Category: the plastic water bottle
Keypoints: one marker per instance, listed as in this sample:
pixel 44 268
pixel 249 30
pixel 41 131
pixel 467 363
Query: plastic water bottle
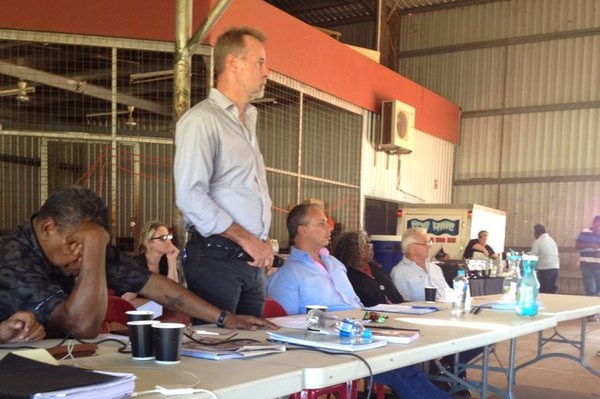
pixel 461 293
pixel 511 281
pixel 528 288
pixel 353 328
pixel 319 320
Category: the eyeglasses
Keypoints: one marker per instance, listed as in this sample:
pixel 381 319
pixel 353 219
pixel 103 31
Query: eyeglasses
pixel 429 243
pixel 163 237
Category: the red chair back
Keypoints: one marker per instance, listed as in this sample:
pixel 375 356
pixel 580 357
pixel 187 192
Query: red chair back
pixel 273 309
pixel 115 313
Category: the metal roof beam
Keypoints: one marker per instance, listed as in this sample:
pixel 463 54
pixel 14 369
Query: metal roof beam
pixel 79 86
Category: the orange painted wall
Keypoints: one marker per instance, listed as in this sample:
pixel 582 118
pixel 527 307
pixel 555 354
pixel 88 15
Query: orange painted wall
pixel 294 48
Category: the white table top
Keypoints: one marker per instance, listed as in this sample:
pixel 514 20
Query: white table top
pixel 441 334
pixel 563 307
pixel 259 378
pixel 285 373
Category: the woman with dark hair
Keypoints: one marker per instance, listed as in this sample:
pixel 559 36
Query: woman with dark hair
pixel 370 282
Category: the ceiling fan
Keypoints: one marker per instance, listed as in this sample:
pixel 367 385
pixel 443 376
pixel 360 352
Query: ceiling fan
pixel 130 122
pixel 21 92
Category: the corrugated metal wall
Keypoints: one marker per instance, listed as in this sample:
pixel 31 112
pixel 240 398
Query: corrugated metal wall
pixel 425 175
pixel 527 76
pixel 312 142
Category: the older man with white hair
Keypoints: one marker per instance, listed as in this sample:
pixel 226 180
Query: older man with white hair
pixel 416 271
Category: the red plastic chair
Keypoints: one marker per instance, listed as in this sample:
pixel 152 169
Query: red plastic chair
pixel 273 309
pixel 377 389
pixel 345 390
pixel 115 314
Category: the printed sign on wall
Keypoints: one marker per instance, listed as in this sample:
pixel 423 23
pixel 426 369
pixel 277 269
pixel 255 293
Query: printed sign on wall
pixel 436 227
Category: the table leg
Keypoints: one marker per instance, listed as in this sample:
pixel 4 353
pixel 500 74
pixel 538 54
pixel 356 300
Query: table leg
pixel 559 338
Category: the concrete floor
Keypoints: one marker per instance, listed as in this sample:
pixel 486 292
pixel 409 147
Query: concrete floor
pixel 552 378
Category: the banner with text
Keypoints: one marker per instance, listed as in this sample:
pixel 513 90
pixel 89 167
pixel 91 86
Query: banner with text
pixel 436 227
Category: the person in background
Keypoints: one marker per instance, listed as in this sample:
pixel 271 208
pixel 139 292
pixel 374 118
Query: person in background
pixel 59 266
pixel 372 285
pixel 548 263
pixel 21 327
pixel 588 244
pixel 416 271
pixel 221 183
pixel 157 253
pixel 478 247
pixel 311 276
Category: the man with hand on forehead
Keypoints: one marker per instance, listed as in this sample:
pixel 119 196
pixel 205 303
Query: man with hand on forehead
pixel 58 266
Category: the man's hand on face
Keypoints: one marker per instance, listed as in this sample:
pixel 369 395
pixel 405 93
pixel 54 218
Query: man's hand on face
pixel 75 251
pixel 86 234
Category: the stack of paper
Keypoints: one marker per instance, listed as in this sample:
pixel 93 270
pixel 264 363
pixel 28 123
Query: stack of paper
pixel 21 377
pixel 394 335
pixel 408 309
pixel 230 350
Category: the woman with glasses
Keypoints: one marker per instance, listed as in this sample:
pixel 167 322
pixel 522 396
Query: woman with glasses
pixel 370 282
pixel 157 253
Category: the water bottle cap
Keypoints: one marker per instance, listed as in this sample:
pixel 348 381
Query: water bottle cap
pixel 461 272
pixel 367 333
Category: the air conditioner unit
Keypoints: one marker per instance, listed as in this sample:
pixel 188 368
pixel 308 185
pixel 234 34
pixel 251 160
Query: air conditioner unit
pixel 397 133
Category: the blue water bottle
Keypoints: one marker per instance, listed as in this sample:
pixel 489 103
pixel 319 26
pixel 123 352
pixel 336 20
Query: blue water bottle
pixel 528 288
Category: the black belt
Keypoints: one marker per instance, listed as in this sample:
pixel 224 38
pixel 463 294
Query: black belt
pixel 217 246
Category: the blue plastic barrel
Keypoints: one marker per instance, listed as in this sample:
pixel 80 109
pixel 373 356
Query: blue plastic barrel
pixel 387 250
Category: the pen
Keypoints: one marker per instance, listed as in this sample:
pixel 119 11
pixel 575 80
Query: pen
pixel 202 332
pixel 425 307
pixel 393 328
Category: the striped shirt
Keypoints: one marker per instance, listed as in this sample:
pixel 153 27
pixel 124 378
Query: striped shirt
pixel 591 254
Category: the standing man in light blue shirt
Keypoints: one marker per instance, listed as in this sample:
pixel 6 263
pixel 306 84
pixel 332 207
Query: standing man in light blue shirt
pixel 221 182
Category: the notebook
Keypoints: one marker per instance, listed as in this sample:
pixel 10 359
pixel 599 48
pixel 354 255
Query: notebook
pixel 235 350
pixel 21 377
pixel 408 309
pixel 316 339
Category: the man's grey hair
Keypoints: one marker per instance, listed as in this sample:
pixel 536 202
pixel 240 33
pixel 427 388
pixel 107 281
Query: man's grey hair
pixel 410 237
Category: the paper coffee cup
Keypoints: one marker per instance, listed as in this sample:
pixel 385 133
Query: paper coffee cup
pixel 168 338
pixel 140 338
pixel 134 315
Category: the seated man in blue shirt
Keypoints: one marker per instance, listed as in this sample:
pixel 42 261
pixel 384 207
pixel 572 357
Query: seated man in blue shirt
pixel 58 266
pixel 311 276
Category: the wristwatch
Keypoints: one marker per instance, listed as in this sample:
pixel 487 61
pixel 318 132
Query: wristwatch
pixel 222 317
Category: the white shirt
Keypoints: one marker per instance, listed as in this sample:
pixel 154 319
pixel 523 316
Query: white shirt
pixel 410 280
pixel 219 171
pixel 547 252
